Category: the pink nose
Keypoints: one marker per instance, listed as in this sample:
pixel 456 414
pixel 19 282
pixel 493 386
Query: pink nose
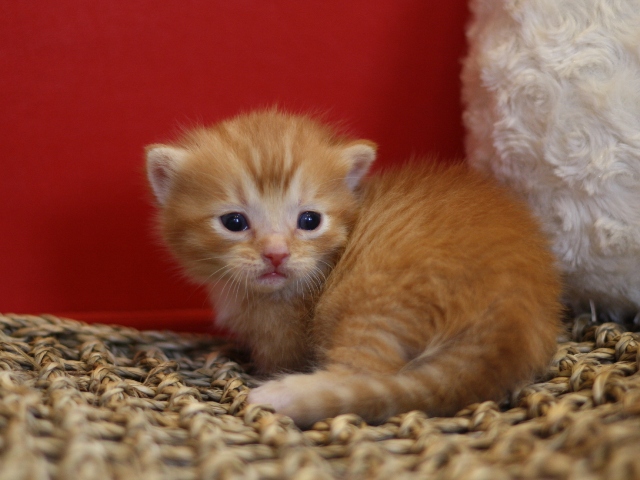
pixel 276 259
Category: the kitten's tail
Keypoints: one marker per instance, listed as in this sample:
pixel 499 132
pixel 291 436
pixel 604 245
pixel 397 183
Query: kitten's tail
pixel 453 371
pixel 438 386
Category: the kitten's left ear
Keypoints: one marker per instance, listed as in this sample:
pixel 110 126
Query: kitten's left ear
pixel 360 155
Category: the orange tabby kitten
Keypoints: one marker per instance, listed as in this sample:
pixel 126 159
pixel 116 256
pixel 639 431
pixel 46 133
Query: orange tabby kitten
pixel 424 287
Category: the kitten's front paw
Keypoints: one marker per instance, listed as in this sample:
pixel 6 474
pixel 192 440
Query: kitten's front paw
pixel 304 398
pixel 289 396
pixel 274 393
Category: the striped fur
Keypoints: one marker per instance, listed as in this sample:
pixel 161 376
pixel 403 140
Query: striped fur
pixel 425 287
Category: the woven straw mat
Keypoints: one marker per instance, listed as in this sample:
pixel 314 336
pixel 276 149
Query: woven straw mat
pixel 81 401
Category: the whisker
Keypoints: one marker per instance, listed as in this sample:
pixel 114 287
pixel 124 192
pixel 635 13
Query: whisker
pixel 239 283
pixel 320 277
pixel 329 266
pixel 228 269
pixel 235 279
pixel 311 286
pixel 316 280
pixel 229 281
pixel 246 287
pixel 205 258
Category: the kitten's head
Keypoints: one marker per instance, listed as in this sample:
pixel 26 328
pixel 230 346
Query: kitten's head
pixel 265 200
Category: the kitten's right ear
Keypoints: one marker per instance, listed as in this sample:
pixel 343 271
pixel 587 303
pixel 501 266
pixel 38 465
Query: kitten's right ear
pixel 163 162
pixel 360 155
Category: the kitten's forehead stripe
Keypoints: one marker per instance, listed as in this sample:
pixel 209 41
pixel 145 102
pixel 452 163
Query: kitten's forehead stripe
pixel 271 163
pixel 288 150
pixel 270 148
pixel 255 158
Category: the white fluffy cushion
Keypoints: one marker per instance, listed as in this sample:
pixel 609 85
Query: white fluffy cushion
pixel 552 97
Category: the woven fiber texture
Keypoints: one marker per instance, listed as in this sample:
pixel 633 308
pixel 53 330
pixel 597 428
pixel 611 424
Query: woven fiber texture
pixel 82 401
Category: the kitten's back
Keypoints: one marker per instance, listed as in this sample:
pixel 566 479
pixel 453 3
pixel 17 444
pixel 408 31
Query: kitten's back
pixel 441 237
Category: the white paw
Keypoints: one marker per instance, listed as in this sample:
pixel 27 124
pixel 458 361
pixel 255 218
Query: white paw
pixel 275 393
pixel 306 398
pixel 293 395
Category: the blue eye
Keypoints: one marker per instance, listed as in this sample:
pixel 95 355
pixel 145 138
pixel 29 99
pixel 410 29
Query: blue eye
pixel 309 220
pixel 235 222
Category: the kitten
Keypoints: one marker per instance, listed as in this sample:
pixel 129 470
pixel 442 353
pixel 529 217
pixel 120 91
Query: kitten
pixel 423 287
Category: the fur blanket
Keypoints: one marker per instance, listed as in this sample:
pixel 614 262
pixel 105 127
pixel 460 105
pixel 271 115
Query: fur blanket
pixel 552 109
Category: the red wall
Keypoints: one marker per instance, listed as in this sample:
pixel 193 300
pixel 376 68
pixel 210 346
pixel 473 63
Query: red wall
pixel 85 85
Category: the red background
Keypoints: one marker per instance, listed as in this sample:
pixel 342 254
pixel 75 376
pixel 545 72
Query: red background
pixel 85 85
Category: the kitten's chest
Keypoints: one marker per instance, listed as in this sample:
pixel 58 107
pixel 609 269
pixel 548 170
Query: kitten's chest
pixel 260 315
pixel 226 308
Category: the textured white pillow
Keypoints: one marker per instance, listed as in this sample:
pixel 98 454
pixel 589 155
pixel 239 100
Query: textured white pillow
pixel 552 109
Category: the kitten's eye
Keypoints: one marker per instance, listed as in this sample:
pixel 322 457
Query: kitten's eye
pixel 309 220
pixel 236 222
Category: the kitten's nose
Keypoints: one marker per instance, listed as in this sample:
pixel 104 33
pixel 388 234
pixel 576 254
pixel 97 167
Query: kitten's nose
pixel 276 258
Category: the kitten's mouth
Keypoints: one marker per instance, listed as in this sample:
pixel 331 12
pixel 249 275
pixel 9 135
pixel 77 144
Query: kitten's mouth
pixel 272 278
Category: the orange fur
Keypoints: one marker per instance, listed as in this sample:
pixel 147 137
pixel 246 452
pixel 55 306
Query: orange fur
pixel 425 287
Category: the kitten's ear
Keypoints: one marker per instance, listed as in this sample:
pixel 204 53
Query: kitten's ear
pixel 162 164
pixel 360 155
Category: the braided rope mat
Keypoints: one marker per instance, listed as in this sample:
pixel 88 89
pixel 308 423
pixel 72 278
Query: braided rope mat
pixel 82 401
